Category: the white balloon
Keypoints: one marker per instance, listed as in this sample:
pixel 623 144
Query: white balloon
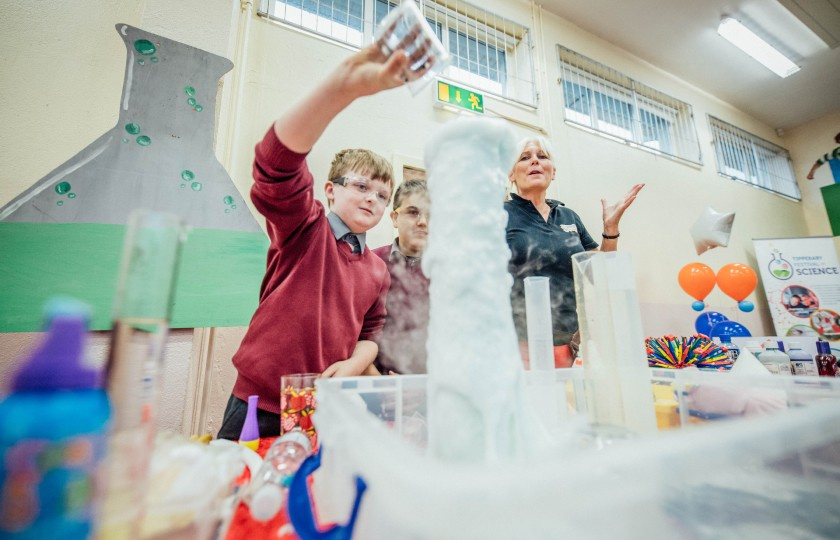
pixel 712 229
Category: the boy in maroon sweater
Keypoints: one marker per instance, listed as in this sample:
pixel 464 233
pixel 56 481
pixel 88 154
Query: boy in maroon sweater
pixel 322 301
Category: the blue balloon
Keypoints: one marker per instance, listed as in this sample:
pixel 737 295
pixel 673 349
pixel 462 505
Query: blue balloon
pixel 746 306
pixel 706 321
pixel 729 328
pixel 697 305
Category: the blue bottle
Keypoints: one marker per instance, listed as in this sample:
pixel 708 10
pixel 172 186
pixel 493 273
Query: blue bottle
pixel 53 435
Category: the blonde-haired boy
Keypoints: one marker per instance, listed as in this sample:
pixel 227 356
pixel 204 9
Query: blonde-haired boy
pixel 322 300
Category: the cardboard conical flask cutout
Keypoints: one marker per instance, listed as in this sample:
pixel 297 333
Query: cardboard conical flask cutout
pixel 159 156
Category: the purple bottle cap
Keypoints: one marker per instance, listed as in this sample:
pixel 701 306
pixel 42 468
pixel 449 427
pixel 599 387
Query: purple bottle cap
pixel 823 347
pixel 251 429
pixel 781 345
pixel 57 363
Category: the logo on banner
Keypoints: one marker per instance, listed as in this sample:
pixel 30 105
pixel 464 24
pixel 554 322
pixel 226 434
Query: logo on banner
pixel 780 268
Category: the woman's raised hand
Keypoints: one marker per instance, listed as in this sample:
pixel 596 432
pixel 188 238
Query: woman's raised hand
pixel 613 212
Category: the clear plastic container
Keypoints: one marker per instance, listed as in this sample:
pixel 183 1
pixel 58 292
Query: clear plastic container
pixel 745 454
pixel 405 28
pixel 266 492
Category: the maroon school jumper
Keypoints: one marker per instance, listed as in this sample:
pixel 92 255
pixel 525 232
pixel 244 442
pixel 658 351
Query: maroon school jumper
pixel 402 344
pixel 317 299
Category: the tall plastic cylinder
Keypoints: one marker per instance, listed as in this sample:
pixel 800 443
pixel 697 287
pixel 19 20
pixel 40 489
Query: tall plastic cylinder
pixel 612 343
pixel 142 309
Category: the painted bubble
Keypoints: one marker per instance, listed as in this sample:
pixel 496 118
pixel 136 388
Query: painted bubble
pixel 144 140
pixel 125 139
pixel 189 90
pixel 233 206
pixel 227 210
pixel 132 128
pixel 228 200
pixel 71 195
pixel 141 62
pixel 199 108
pixel 191 102
pixel 60 203
pixel 62 188
pixel 187 175
pixel 154 59
pixel 144 47
pixel 183 186
pixel 196 186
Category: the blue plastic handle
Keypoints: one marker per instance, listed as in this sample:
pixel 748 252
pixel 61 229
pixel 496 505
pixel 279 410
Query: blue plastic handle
pixel 300 508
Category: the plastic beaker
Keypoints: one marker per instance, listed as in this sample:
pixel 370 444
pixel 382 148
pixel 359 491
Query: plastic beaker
pixel 405 28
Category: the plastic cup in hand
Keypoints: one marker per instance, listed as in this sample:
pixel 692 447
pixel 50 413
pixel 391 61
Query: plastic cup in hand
pixel 297 403
pixel 405 28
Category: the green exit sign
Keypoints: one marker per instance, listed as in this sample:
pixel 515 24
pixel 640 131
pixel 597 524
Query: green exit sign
pixel 460 97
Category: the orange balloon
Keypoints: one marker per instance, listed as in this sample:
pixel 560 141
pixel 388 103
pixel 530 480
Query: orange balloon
pixel 697 279
pixel 737 280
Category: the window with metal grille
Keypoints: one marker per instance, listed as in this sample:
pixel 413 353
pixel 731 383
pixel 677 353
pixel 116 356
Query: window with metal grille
pixel 744 157
pixel 608 102
pixel 489 53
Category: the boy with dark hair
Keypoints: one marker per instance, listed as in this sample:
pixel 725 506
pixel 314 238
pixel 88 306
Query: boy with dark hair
pixel 402 345
pixel 322 300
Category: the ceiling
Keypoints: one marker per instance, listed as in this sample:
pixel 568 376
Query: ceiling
pixel 680 36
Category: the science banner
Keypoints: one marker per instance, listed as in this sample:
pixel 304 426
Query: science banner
pixel 801 277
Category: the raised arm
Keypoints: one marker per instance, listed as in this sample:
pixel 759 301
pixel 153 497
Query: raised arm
pixel 612 215
pixel 365 73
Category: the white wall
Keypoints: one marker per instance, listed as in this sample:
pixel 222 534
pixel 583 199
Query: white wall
pixel 62 80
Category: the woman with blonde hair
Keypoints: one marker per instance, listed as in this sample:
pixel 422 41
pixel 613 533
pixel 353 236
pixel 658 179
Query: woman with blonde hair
pixel 543 234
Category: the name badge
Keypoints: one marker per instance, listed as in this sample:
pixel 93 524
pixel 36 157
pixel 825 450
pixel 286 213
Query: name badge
pixel 569 228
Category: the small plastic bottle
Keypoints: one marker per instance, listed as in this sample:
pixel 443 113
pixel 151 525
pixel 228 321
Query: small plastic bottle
pixel 826 362
pixel 801 362
pixel 775 360
pixel 53 435
pixel 267 490
pixel 732 350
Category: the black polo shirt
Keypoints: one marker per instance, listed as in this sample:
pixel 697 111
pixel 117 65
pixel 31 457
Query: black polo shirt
pixel 545 248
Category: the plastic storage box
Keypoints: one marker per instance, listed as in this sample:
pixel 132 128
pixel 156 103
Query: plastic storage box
pixel 755 458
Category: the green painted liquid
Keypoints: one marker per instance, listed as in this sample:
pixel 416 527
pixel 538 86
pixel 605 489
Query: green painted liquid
pixel 132 128
pixel 60 203
pixel 144 140
pixel 141 62
pixel 189 90
pixel 228 200
pixel 144 47
pixel 191 102
pixel 62 188
pixel 154 59
pixel 199 108
pixel 187 175
pixel 196 186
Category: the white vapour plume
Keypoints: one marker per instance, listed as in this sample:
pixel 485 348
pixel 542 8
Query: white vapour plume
pixel 477 406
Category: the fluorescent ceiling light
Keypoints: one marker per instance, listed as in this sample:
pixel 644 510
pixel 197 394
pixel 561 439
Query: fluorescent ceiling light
pixel 743 38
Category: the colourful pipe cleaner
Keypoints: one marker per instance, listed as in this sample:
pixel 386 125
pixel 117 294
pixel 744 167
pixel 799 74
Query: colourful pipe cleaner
pixel 674 352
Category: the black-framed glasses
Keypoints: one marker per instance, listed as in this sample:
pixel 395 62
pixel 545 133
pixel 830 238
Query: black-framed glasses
pixel 363 185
